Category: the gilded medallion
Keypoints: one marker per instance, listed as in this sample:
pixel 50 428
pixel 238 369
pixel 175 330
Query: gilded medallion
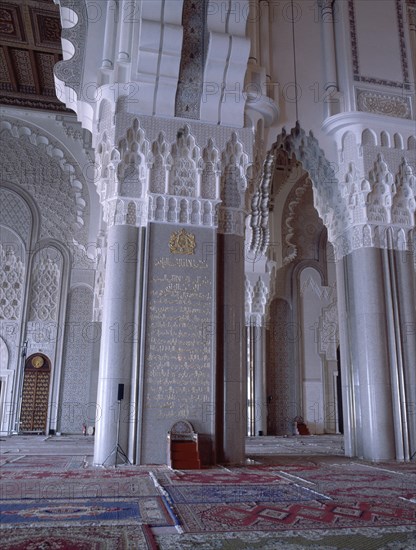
pixel 182 242
pixel 38 362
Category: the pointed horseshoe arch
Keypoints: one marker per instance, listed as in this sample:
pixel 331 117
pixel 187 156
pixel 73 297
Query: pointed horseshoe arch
pixel 305 148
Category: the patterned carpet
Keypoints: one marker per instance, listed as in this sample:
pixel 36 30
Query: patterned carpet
pixel 277 502
pixel 301 517
pixel 85 537
pixel 77 484
pixel 59 502
pixel 375 539
pixel 57 512
pixel 41 463
pixel 234 494
pixel 319 502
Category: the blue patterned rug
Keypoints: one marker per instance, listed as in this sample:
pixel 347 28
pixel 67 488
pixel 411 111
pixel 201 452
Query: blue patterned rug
pixel 150 510
pixel 82 510
pixel 209 494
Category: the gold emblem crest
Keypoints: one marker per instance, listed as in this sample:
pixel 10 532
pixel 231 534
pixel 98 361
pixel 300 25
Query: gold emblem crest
pixel 182 242
pixel 38 362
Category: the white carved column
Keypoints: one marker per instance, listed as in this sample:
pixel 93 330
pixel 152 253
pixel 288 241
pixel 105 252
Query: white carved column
pixel 109 36
pixel 116 356
pixel 256 305
pixel 122 185
pixel 371 224
pixel 231 360
pixel 260 394
pixel 256 366
pixel 126 30
pixel 326 8
pixel 265 37
pixel 253 32
pixel 365 354
pixel 327 23
pixel 404 323
pixel 376 289
pixel 378 376
pixel 161 192
pixel 231 355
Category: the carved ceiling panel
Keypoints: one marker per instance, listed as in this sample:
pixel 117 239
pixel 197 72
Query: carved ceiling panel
pixel 30 46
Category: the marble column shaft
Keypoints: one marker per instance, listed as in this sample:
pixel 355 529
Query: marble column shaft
pixel 403 329
pixel 231 351
pixel 374 354
pixel 260 394
pixel 118 330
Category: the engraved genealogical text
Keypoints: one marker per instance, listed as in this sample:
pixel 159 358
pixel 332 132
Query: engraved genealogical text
pixel 179 339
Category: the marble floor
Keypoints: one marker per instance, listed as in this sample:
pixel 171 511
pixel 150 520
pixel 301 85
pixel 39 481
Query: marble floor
pixel 78 445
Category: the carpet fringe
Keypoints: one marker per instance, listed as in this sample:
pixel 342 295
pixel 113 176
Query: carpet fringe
pixel 168 502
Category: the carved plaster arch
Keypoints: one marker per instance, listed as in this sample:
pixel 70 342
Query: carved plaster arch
pixel 369 137
pixel 294 199
pixel 158 157
pixel 56 152
pixel 4 355
pixel 305 148
pixel 33 209
pixel 320 269
pixel 66 259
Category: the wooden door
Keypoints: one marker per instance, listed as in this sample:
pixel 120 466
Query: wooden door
pixel 35 394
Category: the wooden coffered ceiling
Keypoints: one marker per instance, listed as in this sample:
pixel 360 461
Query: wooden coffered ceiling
pixel 30 42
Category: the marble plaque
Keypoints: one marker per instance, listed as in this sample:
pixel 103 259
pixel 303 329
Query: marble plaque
pixel 178 367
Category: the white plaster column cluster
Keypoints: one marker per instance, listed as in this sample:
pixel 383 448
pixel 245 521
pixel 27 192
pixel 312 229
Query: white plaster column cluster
pixel 119 321
pixel 231 355
pixel 374 252
pixel 373 236
pixel 258 87
pixel 258 280
pixel 370 219
pixel 374 207
pixel 122 178
pixel 147 78
pixel 331 91
pixel 145 176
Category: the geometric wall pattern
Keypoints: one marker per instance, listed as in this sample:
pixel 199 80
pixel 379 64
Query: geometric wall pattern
pixel 46 277
pixel 12 272
pixel 79 340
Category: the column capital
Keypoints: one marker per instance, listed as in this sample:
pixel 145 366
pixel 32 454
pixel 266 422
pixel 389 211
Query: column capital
pixel 259 287
pixel 148 169
pixel 378 212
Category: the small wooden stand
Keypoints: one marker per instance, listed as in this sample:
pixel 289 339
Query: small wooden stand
pixel 187 450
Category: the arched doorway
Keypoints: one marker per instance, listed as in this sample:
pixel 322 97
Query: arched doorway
pixel 35 394
pixel 287 236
